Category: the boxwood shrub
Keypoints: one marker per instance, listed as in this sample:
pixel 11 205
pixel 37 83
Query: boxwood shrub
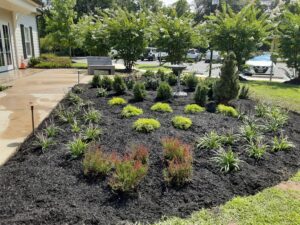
pixel 164 91
pixel 181 122
pixel 161 107
pixel 146 125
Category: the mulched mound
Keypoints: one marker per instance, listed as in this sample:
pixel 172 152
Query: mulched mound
pixel 50 188
pixel 295 81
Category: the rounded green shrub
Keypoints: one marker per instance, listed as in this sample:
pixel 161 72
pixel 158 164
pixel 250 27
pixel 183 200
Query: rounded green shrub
pixel 119 85
pixel 139 92
pixel 200 95
pixel 96 81
pixel 149 74
pixel 227 110
pixel 117 101
pixel 193 109
pixel 130 111
pixel 164 91
pixel 152 83
pixel 107 83
pixel 161 107
pixel 181 122
pixel 146 125
pixel 191 81
pixel 172 79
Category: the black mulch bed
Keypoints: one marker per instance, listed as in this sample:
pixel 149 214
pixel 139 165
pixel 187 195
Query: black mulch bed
pixel 49 188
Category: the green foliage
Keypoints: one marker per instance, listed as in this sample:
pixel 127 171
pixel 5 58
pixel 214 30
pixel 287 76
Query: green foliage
pixel 139 92
pixel 200 95
pixel 227 110
pixel 250 132
pixel 117 101
pixel 101 92
pixel 151 84
pixel 77 90
pixel 92 116
pixel 75 128
pixel 65 115
pixel 96 162
pixel 149 74
pixel 172 79
pixel 51 61
pixel 244 92
pixel 146 125
pixel 43 141
pixel 77 147
pixel 181 122
pixel 33 61
pixel 91 133
pixel 276 119
pixel 162 75
pixel 191 81
pixel 257 149
pixel 129 83
pixel 107 83
pixel 119 85
pixel 227 160
pixel 51 130
pixel 193 109
pixel 261 110
pixel 282 144
pixel 164 91
pixel 161 107
pixel 3 88
pixel 227 88
pixel 209 141
pixel 127 34
pixel 130 111
pixel 74 99
pixel 96 81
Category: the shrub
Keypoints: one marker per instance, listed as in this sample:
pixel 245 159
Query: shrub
pixel 164 91
pixel 92 116
pixel 250 132
pixel 96 162
pixel 140 153
pixel 191 81
pixel 129 83
pixel 130 111
pixel 261 110
pixel 139 92
pixel 172 79
pixel 52 61
pixel 181 122
pixel 227 110
pixel 226 160
pixel 200 95
pixel 179 161
pixel 77 147
pixel 151 84
pixel 282 144
pixel 96 81
pixel 244 92
pixel 77 90
pixel 162 75
pixel 43 141
pixel 146 125
pixel 256 149
pixel 193 109
pixel 101 92
pixel 227 88
pixel 51 130
pixel 209 141
pixel 33 61
pixel 149 74
pixel 107 83
pixel 119 85
pixel 162 107
pixel 91 133
pixel 117 101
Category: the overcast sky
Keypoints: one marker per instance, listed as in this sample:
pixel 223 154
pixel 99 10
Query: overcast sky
pixel 168 2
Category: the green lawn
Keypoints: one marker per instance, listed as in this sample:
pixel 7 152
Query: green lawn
pixel 284 95
pixel 152 67
pixel 79 65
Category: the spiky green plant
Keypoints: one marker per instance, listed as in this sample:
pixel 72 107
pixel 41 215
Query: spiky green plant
pixel 209 141
pixel 92 116
pixel 227 160
pixel 77 147
pixel 282 143
pixel 92 133
pixel 43 141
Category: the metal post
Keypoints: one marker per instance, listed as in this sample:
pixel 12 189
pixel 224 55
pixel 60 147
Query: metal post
pixel 32 118
pixel 78 78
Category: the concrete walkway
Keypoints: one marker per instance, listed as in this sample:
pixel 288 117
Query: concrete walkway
pixel 43 89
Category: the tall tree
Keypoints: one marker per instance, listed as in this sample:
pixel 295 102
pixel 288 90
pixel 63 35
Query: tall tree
pixel 243 32
pixel 182 7
pixel 290 36
pixel 151 5
pixel 89 7
pixel 60 23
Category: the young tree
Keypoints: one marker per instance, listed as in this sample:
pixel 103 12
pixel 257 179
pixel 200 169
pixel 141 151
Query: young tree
pixel 227 88
pixel 60 23
pixel 243 32
pixel 290 36
pixel 182 7
pixel 128 34
pixel 175 36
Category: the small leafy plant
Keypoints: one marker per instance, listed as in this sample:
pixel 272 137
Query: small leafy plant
pixel 117 101
pixel 107 83
pixel 101 92
pixel 139 92
pixel 130 111
pixel 172 79
pixel 162 107
pixel 256 149
pixel 226 160
pixel 75 128
pixel 229 138
pixel 210 141
pixel 191 81
pixel 262 110
pixel 91 133
pixel 51 129
pixel 96 81
pixel 281 143
pixel 250 132
pixel 181 122
pixel 140 153
pixel 119 85
pixel 244 92
pixel 65 115
pixel 193 109
pixel 77 90
pixel 146 125
pixel 227 110
pixel 92 116
pixel 164 91
pixel 201 94
pixel 276 119
pixel 43 141
pixel 77 147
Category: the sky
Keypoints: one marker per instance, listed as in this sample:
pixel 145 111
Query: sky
pixel 168 2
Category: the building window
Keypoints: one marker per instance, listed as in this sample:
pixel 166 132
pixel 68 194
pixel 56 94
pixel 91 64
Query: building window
pixel 27 41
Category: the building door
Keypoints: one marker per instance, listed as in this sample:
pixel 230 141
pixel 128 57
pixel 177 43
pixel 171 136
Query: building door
pixel 6 62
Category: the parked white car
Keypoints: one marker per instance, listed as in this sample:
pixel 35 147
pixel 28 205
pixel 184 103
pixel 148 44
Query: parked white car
pixel 261 64
pixel 216 57
pixel 193 54
pixel 152 54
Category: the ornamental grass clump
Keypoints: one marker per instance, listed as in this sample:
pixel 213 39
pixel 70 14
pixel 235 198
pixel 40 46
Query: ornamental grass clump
pixel 146 125
pixel 77 147
pixel 92 116
pixel 164 91
pixel 227 110
pixel 43 141
pixel 130 111
pixel 97 163
pixel 74 99
pixel 261 110
pixel 226 160
pixel 162 107
pixel 91 133
pixel 117 101
pixel 193 109
pixel 65 115
pixel 181 122
pixel 244 92
pixel 210 141
pixel 139 92
pixel 130 171
pixel 257 149
pixel 51 130
pixel 276 119
pixel 178 159
pixel 250 132
pixel 281 143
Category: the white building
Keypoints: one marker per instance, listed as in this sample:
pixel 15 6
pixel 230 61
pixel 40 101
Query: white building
pixel 18 33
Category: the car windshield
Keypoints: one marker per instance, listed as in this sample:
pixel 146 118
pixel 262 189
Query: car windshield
pixel 264 57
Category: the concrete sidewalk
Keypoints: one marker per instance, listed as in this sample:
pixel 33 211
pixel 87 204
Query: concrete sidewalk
pixel 43 89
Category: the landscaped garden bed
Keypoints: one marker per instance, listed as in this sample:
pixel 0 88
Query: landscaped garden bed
pixel 56 183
